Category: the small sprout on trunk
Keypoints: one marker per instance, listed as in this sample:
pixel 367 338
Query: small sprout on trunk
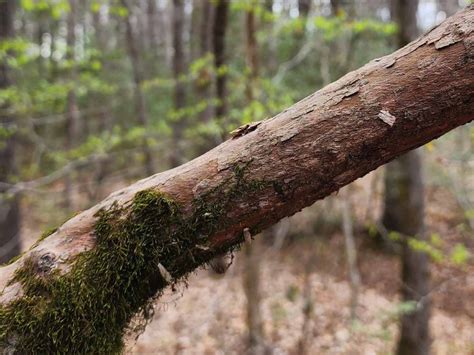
pixel 247 236
pixel 164 273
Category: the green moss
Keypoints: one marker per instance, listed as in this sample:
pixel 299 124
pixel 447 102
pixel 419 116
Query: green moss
pixel 46 234
pixel 87 310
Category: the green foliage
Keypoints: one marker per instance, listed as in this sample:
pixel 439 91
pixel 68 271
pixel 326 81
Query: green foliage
pixel 54 8
pixel 469 214
pixel 119 10
pixel 460 255
pixel 436 240
pixel 406 307
pixel 292 293
pixel 377 27
pixel 425 247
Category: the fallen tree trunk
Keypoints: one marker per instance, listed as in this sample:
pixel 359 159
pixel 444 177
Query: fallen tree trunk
pixel 77 289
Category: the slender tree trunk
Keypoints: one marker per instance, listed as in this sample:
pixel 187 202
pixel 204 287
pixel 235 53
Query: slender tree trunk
pixel 41 29
pixel 218 41
pixel 152 42
pixel 152 15
pixel 251 55
pixel 205 27
pixel 166 35
pixel 138 76
pixel 308 299
pixel 255 340
pixel 99 33
pixel 351 251
pixel 179 69
pixel 271 42
pixel 303 8
pixel 10 242
pixel 194 30
pixel 251 278
pixel 106 117
pixel 414 335
pixel 404 213
pixel 106 263
pixel 335 7
pixel 204 85
pixel 73 116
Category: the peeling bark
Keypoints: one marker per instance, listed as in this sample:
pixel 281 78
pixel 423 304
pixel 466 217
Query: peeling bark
pixel 335 139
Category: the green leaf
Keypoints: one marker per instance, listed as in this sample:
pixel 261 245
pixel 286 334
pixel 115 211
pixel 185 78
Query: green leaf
pixel 460 255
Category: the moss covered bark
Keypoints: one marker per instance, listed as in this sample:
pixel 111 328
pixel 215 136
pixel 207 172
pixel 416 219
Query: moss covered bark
pixel 140 249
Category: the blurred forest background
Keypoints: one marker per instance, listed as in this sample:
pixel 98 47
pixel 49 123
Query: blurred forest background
pixel 95 94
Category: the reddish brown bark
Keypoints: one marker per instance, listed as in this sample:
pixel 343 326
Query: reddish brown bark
pixel 325 141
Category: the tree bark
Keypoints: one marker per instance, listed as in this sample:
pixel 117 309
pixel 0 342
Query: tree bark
pixel 10 243
pixel 78 288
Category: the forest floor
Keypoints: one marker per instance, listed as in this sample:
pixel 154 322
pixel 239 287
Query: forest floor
pixel 208 317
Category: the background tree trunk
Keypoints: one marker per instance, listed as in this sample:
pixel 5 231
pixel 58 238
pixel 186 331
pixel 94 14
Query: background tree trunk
pixel 138 76
pixel 179 91
pixel 204 85
pixel 73 116
pixel 152 15
pixel 303 8
pixel 351 250
pixel 414 335
pixel 103 265
pixel 10 243
pixel 404 213
pixel 255 340
pixel 218 41
pixel 448 6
